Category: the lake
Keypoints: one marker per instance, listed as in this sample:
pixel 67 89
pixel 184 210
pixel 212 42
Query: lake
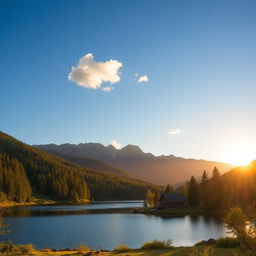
pixel 62 226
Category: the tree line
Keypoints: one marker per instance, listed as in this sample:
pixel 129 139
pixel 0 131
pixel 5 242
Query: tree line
pixel 216 192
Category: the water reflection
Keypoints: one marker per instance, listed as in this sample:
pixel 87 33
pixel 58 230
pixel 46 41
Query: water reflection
pixel 44 228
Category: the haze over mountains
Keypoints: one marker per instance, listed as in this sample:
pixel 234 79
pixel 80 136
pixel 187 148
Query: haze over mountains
pixel 131 159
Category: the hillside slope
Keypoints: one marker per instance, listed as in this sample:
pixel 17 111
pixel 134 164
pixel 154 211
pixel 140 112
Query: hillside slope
pixel 59 179
pixel 98 165
pixel 158 169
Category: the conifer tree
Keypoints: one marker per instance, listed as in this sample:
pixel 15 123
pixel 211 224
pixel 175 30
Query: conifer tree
pixel 169 189
pixel 193 196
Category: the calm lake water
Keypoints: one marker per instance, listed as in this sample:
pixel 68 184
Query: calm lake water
pixel 64 226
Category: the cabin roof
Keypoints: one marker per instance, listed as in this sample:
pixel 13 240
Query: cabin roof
pixel 173 197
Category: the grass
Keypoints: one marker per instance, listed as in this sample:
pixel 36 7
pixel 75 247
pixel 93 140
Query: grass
pixel 175 251
pixel 82 248
pixel 122 248
pixel 157 244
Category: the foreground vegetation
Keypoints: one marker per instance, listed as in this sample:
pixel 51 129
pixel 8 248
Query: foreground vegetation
pixel 174 251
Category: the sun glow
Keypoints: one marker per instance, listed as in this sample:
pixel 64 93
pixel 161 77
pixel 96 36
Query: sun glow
pixel 240 153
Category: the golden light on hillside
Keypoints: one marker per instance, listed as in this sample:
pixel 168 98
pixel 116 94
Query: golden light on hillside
pixel 240 153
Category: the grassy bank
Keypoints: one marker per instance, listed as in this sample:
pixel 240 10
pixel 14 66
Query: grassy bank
pixel 38 201
pixel 176 251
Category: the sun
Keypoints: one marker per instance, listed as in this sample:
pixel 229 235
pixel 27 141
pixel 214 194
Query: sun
pixel 240 153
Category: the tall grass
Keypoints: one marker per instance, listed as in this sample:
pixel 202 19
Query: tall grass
pixel 206 251
pixel 122 248
pixel 157 244
pixel 82 248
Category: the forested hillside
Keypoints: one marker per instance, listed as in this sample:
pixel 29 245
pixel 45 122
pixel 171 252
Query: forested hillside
pixel 98 165
pixel 51 176
pixel 216 192
pixel 157 169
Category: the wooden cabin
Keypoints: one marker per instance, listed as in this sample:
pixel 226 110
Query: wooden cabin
pixel 172 200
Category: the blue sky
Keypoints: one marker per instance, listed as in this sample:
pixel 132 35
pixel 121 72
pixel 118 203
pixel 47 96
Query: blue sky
pixel 199 56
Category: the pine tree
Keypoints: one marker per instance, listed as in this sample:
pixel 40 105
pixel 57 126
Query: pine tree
pixel 204 178
pixel 193 196
pixel 169 189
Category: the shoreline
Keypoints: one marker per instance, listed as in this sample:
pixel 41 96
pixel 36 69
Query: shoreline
pixel 164 213
pixel 39 202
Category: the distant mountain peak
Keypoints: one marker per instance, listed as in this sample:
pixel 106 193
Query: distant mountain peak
pixel 111 147
pixel 132 149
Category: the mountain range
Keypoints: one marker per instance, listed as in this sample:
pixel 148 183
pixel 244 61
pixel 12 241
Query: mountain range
pixel 26 171
pixel 132 161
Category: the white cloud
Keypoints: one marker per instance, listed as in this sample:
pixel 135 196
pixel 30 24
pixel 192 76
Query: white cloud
pixel 142 79
pixel 107 89
pixel 115 144
pixel 91 74
pixel 175 131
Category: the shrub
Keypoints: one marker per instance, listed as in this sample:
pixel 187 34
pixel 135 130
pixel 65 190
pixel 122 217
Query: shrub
pixel 8 248
pixel 243 228
pixel 206 251
pixel 122 248
pixel 157 244
pixel 82 248
pixel 26 248
pixel 227 242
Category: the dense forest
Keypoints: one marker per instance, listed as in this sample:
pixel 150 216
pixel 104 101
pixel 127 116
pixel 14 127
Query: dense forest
pixel 27 171
pixel 216 192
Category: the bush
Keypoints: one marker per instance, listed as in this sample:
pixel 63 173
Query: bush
pixel 157 244
pixel 26 248
pixel 227 242
pixel 8 248
pixel 122 248
pixel 82 248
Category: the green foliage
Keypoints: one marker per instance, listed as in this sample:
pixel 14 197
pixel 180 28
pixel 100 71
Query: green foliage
pixel 26 248
pixel 157 244
pixel 152 198
pixel 227 242
pixel 9 248
pixel 242 228
pixel 14 183
pixel 193 196
pixel 122 248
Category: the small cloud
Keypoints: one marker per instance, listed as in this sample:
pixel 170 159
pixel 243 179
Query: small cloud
pixel 107 89
pixel 142 79
pixel 91 74
pixel 174 131
pixel 115 144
